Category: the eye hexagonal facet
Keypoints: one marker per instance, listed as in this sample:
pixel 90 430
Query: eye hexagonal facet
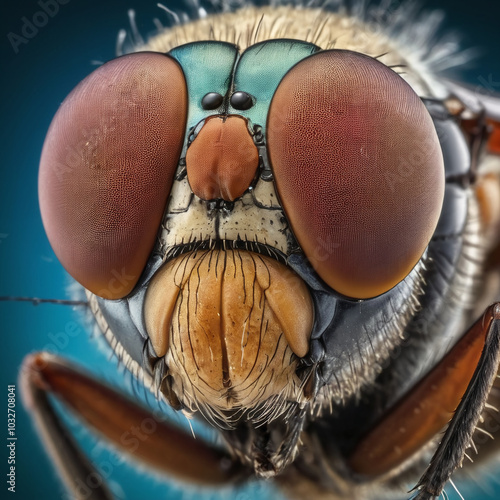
pixel 107 166
pixel 358 168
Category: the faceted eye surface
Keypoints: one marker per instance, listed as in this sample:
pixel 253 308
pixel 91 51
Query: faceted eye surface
pixel 107 167
pixel 358 168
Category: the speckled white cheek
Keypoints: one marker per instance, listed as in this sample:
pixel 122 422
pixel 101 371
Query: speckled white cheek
pixel 265 194
pixel 186 219
pixel 256 217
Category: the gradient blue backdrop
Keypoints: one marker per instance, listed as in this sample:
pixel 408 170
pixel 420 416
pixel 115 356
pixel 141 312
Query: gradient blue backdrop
pixel 34 81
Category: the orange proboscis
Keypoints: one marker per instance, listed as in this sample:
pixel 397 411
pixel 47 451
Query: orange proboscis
pixel 229 317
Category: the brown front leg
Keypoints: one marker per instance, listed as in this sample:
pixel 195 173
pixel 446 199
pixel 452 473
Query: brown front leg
pixel 455 391
pixel 116 418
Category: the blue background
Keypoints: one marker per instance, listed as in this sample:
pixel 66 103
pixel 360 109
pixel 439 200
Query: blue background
pixel 34 82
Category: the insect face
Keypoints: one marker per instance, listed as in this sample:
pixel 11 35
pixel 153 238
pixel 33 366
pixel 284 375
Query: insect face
pixel 260 228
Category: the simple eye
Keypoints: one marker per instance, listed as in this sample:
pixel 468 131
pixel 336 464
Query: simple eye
pixel 358 168
pixel 107 166
pixel 241 100
pixel 212 100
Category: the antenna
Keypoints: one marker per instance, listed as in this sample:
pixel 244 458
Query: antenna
pixel 35 301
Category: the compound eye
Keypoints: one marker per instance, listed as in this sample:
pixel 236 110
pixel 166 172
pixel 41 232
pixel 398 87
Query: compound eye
pixel 241 100
pixel 358 168
pixel 107 166
pixel 212 100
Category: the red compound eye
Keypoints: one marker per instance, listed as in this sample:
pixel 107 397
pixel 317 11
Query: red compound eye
pixel 107 167
pixel 358 168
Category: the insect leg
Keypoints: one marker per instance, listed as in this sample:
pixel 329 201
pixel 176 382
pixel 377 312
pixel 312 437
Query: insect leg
pixel 74 468
pixel 115 417
pixel 457 389
pixel 458 435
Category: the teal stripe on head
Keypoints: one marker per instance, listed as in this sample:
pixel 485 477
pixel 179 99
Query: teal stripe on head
pixel 260 70
pixel 208 67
